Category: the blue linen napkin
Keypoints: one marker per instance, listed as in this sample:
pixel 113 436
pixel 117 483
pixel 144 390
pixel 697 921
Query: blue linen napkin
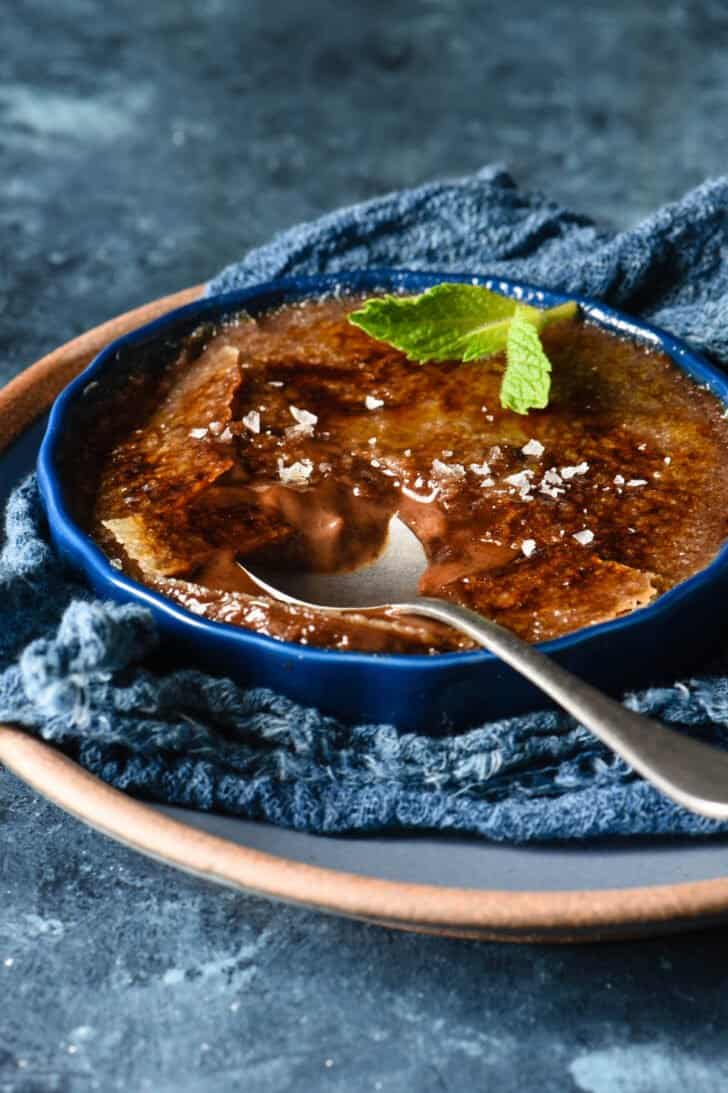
pixel 81 673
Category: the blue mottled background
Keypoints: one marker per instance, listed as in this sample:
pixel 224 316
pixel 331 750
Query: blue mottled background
pixel 142 147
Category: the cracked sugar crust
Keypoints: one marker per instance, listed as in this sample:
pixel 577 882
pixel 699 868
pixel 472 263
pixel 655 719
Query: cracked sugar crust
pixel 295 436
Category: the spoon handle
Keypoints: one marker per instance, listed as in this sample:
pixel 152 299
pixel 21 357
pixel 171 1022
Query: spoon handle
pixel 690 772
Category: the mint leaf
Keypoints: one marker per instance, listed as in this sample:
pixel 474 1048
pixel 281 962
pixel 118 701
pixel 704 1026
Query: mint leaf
pixel 447 322
pixel 467 323
pixel 527 378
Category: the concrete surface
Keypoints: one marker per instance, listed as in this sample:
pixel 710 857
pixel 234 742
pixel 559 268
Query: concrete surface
pixel 143 146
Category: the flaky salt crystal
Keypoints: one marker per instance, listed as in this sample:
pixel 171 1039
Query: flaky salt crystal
pixel 522 479
pixel 570 472
pixel 297 474
pixel 534 447
pixel 584 537
pixel 448 470
pixel 303 417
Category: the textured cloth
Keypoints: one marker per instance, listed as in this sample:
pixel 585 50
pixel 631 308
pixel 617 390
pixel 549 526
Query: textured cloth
pixel 83 674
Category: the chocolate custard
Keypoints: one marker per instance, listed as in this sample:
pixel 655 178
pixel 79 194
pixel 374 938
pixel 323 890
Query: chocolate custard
pixel 295 437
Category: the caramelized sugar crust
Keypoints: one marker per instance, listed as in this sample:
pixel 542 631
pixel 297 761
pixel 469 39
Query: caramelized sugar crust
pixel 297 436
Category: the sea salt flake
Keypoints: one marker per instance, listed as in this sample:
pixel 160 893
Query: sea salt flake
pixel 552 477
pixel 297 474
pixel 480 468
pixel 584 537
pixel 571 472
pixel 226 435
pixel 198 434
pixel 215 427
pixel 252 421
pixel 408 452
pixel 448 470
pixel 522 479
pixel 303 417
pixel 619 480
pixel 528 546
pixel 533 447
pixel 373 403
pixel 637 482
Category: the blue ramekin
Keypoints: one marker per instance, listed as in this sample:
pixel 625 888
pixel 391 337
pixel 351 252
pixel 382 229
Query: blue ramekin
pixel 433 694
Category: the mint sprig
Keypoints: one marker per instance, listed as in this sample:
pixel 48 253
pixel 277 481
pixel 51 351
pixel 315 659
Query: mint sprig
pixel 526 382
pixel 469 322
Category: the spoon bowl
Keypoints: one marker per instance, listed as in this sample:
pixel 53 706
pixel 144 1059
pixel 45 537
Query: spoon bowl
pixel 392 578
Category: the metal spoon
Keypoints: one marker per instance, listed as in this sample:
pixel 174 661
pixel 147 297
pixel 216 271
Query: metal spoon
pixel 692 773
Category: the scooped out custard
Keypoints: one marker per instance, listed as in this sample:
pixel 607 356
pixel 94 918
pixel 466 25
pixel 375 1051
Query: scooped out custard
pixel 294 437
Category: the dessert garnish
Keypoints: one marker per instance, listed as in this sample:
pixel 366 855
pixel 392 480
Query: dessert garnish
pixel 453 321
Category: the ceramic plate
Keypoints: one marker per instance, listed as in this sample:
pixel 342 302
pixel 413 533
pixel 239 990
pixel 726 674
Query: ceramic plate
pixel 449 885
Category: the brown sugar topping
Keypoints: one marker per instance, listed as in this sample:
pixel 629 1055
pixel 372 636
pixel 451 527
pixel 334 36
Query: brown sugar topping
pixel 296 436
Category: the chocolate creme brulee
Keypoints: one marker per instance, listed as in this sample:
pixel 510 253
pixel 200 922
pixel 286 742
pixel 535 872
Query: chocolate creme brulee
pixel 295 436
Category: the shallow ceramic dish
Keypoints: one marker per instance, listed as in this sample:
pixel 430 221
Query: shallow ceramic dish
pixel 422 693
